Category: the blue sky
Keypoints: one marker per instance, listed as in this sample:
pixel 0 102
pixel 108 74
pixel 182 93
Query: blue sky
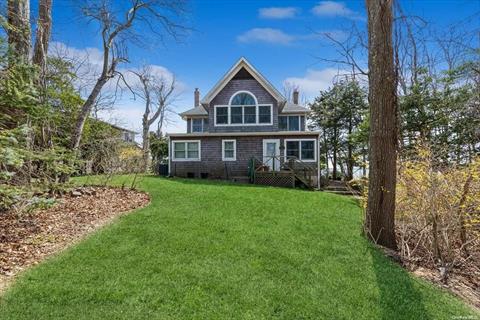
pixel 280 38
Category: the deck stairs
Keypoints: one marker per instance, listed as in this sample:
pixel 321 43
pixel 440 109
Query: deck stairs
pixel 340 187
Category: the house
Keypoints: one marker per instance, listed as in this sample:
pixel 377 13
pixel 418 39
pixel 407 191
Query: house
pixel 116 132
pixel 124 134
pixel 104 148
pixel 244 128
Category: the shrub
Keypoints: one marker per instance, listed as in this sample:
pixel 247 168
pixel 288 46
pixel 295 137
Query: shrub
pixel 438 213
pixel 359 185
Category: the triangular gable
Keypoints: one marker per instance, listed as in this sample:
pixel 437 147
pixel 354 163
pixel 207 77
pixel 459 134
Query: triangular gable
pixel 237 69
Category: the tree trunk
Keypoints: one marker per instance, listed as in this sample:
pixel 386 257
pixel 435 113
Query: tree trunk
pixel 19 29
pixel 364 168
pixel 42 38
pixel 146 142
pixel 85 112
pixel 325 143
pixel 350 160
pixel 334 164
pixel 380 212
pixel 461 213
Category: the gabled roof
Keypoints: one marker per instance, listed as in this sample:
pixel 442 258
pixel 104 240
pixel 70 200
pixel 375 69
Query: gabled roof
pixel 114 126
pixel 293 108
pixel 242 63
pixel 197 111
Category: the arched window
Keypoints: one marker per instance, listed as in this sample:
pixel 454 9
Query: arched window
pixel 243 99
pixel 243 109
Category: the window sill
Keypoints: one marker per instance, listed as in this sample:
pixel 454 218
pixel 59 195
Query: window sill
pixel 185 160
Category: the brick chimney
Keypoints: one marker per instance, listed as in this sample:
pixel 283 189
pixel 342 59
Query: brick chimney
pixel 295 96
pixel 196 95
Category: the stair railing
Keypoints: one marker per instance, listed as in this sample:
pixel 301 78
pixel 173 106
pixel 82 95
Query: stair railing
pixel 302 170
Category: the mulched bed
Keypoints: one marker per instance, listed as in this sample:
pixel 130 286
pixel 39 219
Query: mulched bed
pixel 28 238
pixel 462 281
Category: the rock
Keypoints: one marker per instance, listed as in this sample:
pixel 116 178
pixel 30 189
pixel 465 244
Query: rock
pixel 76 193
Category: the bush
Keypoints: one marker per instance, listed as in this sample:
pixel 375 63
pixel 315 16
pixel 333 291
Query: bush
pixel 359 185
pixel 438 213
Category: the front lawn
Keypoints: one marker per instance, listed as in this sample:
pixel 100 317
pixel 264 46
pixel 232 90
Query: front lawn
pixel 209 250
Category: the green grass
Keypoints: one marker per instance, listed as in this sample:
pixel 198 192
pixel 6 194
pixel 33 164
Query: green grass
pixel 209 250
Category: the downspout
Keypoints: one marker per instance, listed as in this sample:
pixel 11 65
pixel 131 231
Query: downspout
pixel 169 157
pixel 318 162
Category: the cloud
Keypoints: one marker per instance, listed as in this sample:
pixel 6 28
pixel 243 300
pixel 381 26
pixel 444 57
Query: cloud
pixel 314 81
pixel 126 111
pixel 278 12
pixel 279 37
pixel 335 9
pixel 268 35
pixel 88 64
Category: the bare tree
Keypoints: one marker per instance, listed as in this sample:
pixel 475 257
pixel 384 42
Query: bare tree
pixel 118 31
pixel 380 213
pixel 19 29
pixel 42 37
pixel 158 93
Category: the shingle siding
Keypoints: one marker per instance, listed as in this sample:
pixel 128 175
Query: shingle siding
pixel 211 156
pixel 247 146
pixel 223 98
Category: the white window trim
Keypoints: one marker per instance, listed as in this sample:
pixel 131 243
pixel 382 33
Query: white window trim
pixel 215 115
pixel 288 123
pixel 229 124
pixel 271 114
pixel 257 115
pixel 300 149
pixel 186 152
pixel 242 91
pixel 234 150
pixel 191 124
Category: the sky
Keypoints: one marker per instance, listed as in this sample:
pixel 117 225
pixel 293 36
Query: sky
pixel 282 39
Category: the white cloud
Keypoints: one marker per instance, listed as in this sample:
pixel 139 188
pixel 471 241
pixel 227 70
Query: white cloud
pixel 127 111
pixel 268 35
pixel 278 12
pixel 335 9
pixel 279 37
pixel 314 81
pixel 88 63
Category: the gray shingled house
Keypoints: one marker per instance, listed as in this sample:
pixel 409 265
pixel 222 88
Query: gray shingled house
pixel 242 129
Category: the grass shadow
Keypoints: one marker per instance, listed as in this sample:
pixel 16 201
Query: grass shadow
pixel 220 183
pixel 400 294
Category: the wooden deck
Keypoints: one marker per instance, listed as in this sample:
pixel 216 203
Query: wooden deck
pixel 290 175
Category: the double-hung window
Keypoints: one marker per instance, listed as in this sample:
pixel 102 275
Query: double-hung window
pixel 264 114
pixel 186 150
pixel 229 150
pixel 197 125
pixel 289 123
pixel 221 115
pixel 303 149
pixel 249 114
pixel 236 115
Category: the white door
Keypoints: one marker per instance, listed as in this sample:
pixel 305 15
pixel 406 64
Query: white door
pixel 271 149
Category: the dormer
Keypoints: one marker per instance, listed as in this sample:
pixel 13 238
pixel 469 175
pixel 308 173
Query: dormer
pixel 197 117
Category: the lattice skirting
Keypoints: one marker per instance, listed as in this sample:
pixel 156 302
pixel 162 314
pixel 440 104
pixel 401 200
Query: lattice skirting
pixel 275 179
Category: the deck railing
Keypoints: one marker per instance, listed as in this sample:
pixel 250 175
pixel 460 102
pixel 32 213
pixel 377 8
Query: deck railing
pixel 280 164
